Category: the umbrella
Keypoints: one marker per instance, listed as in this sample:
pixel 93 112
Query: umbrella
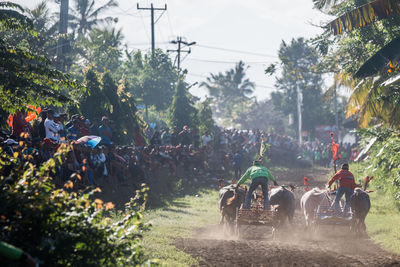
pixel 91 140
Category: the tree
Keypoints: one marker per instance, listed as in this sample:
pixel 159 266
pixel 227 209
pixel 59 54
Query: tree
pixel 151 78
pixel 26 77
pixel 205 117
pixel 93 102
pixel 182 112
pixel 85 16
pixel 102 48
pixel 374 98
pixel 228 90
pixel 260 115
pixel 299 62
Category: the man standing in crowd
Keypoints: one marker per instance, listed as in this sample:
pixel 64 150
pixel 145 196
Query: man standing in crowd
pixel 184 136
pixel 166 137
pixel 51 127
pixel 105 132
pixel 206 138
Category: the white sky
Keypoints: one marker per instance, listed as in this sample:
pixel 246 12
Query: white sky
pixel 256 26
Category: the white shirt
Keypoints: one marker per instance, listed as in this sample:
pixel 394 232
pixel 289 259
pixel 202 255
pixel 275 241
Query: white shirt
pixel 206 139
pixel 51 129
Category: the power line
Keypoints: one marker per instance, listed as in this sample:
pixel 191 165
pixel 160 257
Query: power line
pixel 227 62
pixel 170 24
pixel 236 51
pixel 256 85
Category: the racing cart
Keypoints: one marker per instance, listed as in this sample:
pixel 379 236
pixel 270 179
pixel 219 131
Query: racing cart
pixel 255 216
pixel 325 215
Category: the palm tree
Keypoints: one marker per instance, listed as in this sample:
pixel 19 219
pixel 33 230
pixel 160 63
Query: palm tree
pixel 44 24
pixel 230 85
pixel 228 90
pixel 102 47
pixel 85 16
pixel 375 89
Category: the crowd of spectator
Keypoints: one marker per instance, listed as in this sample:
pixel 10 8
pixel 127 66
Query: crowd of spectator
pixel 152 150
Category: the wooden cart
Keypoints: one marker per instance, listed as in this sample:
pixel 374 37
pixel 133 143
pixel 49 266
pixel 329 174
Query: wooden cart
pixel 256 215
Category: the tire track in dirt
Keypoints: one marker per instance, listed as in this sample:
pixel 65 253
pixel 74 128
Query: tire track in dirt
pixel 294 245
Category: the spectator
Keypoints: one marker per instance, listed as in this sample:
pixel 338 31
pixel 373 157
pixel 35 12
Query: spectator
pixel 237 164
pixel 174 137
pixel 155 140
pixel 105 132
pixel 206 138
pixel 51 127
pixel 138 138
pixel 166 137
pixel 185 136
pixel 19 124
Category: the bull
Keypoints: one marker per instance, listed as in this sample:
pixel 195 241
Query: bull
pixel 360 205
pixel 284 203
pixel 231 199
pixel 310 201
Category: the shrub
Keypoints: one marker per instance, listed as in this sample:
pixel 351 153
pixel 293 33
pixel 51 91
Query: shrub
pixel 62 227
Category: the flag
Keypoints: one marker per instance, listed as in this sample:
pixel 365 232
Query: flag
pixel 335 148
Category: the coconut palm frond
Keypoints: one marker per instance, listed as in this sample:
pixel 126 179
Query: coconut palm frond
pixel 380 60
pixel 364 15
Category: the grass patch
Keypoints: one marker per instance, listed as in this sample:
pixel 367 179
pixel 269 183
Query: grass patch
pixel 178 219
pixel 383 220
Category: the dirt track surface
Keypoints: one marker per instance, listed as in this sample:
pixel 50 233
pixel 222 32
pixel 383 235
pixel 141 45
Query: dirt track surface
pixel 293 246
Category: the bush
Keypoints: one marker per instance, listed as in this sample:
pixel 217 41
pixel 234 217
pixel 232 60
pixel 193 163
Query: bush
pixel 62 227
pixel 384 160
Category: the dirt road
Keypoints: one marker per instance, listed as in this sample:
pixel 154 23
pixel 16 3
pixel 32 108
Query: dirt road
pixel 294 246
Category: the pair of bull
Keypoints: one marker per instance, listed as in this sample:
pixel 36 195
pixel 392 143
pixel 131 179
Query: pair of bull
pixel 232 198
pixel 359 203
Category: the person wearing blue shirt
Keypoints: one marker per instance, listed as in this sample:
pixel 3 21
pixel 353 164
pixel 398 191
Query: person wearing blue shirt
pixel 105 132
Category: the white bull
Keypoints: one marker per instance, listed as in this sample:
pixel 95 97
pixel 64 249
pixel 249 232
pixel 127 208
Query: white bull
pixel 309 203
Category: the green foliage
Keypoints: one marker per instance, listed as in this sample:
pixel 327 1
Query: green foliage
pixel 229 91
pixel 155 80
pixel 260 115
pixel 299 69
pixel 61 227
pixel 204 117
pixel 85 16
pixel 27 78
pixel 348 52
pixel 92 103
pixel 182 112
pixel 102 48
pixel 384 160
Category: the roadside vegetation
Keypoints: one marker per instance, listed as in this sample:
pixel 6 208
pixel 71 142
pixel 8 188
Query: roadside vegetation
pixel 383 220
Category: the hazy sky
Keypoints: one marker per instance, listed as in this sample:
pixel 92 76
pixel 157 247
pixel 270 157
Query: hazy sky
pixel 254 26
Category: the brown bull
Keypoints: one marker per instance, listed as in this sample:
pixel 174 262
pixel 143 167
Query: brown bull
pixel 230 199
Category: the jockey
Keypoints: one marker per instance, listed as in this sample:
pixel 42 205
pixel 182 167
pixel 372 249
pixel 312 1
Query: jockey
pixel 346 187
pixel 259 176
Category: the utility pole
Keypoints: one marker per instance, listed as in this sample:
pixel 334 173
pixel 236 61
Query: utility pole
pixel 152 8
pixel 336 115
pixel 179 42
pixel 63 29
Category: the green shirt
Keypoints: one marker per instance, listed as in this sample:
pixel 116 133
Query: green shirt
pixel 254 172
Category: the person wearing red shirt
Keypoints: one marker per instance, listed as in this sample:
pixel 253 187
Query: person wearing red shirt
pixel 346 187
